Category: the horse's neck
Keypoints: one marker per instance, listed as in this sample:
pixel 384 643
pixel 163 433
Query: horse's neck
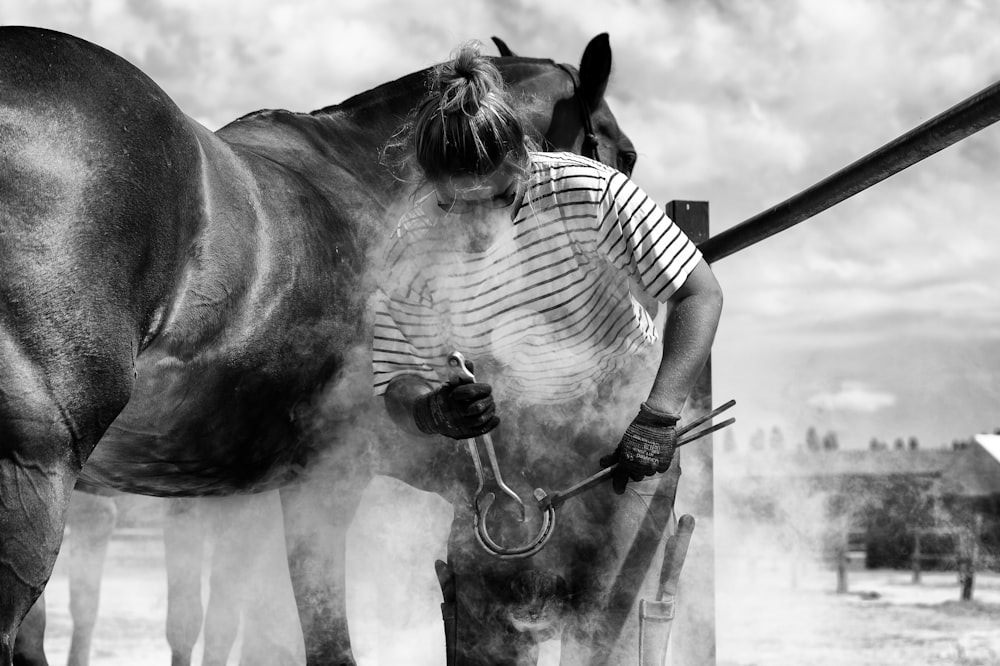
pixel 300 139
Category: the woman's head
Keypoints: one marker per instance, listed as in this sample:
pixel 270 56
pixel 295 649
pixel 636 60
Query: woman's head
pixel 466 128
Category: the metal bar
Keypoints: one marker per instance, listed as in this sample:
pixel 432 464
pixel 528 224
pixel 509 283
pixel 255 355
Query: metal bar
pixel 960 121
pixel 701 419
pixel 707 431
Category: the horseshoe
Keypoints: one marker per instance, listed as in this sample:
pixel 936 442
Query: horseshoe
pixel 491 484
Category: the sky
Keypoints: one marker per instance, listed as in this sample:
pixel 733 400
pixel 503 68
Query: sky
pixel 877 318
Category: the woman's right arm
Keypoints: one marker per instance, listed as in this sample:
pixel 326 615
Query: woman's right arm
pixel 401 396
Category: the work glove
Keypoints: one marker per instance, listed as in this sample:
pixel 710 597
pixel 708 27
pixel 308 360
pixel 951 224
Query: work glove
pixel 459 411
pixel 646 448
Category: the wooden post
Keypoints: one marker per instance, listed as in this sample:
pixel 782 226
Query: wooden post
pixel 843 559
pixel 916 555
pixel 969 555
pixel 694 632
pixel 966 569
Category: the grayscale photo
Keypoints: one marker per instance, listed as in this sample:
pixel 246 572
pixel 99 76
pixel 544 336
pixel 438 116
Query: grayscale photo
pixel 440 333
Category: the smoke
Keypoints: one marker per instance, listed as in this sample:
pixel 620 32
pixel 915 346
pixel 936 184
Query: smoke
pixel 783 522
pixel 772 533
pixel 392 592
pixel 229 568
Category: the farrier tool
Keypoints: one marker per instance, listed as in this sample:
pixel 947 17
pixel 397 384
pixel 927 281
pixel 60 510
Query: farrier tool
pixel 490 481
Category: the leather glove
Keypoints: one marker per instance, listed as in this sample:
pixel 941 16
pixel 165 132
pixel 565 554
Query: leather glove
pixel 459 411
pixel 646 448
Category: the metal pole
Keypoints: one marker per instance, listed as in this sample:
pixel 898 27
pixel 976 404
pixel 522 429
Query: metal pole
pixel 958 122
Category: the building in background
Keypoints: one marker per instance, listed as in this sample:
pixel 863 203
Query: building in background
pixel 882 507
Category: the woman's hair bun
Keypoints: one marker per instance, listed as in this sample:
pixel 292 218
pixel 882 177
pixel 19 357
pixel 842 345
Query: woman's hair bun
pixel 465 81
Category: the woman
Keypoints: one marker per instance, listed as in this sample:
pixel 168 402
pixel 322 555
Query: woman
pixel 529 263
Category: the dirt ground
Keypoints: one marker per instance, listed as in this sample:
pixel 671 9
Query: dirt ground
pixel 769 612
pixel 768 617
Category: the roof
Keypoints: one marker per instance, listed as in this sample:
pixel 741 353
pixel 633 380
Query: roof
pixel 969 472
pixel 835 463
pixel 977 473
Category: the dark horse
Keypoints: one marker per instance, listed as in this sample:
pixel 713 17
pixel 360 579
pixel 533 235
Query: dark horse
pixel 185 311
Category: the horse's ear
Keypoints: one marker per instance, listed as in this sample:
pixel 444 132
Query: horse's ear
pixel 595 68
pixel 502 47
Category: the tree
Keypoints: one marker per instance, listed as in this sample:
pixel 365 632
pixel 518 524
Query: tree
pixel 894 508
pixel 812 439
pixel 830 442
pixel 914 444
pixel 757 440
pixel 899 444
pixel 777 439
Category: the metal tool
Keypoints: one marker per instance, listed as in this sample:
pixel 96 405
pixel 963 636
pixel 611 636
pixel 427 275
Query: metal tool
pixel 491 483
pixel 656 616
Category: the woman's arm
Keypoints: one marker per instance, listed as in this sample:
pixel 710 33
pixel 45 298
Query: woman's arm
pixel 400 398
pixel 687 339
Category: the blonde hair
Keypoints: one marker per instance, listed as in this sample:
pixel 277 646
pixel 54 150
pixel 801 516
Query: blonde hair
pixel 466 124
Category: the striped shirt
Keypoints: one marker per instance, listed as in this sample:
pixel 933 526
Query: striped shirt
pixel 550 301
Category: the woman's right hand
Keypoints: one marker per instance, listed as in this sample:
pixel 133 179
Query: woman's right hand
pixel 459 411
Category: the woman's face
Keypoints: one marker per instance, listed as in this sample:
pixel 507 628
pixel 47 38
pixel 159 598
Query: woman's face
pixel 462 195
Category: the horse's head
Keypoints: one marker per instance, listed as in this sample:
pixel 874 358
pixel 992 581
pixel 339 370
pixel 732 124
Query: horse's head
pixel 567 104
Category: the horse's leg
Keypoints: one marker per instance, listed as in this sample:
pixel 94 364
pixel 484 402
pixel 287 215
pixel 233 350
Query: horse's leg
pixel 91 521
pixel 316 517
pixel 226 520
pixel 183 541
pixel 51 415
pixel 262 640
pixel 34 493
pixel 271 633
pixel 29 648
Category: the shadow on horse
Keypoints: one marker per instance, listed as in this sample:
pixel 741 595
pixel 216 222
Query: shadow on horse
pixel 184 313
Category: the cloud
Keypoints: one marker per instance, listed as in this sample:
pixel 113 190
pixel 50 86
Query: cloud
pixel 853 396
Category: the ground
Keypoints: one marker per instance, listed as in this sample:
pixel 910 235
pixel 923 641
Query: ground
pixel 769 613
pixel 765 618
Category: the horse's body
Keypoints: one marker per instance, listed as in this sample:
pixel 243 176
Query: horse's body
pixel 196 302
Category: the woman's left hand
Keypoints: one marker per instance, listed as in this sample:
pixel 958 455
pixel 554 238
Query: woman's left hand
pixel 646 448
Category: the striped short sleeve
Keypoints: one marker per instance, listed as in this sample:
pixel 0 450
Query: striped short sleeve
pixel 639 238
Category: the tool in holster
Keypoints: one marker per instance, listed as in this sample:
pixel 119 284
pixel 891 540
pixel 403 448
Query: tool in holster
pixel 656 617
pixel 491 484
pixel 449 610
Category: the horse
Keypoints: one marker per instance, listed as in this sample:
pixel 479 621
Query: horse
pixel 184 313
